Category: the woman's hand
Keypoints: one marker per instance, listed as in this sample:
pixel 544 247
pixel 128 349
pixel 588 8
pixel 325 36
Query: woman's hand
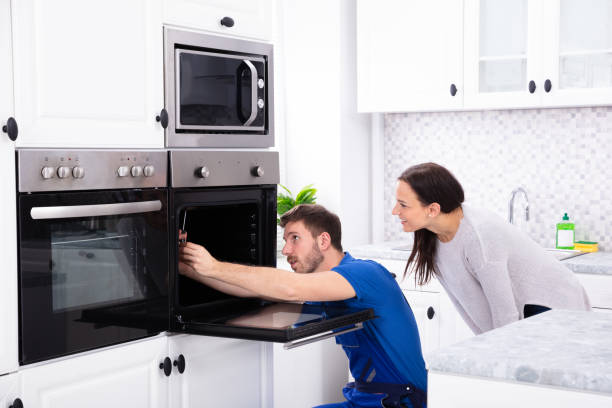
pixel 195 259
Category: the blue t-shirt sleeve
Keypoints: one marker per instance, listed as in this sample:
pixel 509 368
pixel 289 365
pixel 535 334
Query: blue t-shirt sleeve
pixel 367 279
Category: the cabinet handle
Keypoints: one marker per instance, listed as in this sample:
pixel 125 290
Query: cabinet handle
pixel 430 312
pixel 547 85
pixel 11 129
pixel 180 363
pixel 532 87
pixel 453 90
pixel 166 365
pixel 227 21
pixel 16 404
pixel 163 118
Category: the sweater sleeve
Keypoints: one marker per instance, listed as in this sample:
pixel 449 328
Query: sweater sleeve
pixel 497 287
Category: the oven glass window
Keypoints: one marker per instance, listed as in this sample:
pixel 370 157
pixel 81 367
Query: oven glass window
pixel 93 263
pixel 217 90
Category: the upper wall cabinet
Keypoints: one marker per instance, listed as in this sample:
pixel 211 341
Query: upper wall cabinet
pixel 88 74
pixel 535 53
pixel 409 55
pixel 245 18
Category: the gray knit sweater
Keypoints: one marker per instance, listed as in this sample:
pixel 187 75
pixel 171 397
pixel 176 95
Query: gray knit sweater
pixel 491 269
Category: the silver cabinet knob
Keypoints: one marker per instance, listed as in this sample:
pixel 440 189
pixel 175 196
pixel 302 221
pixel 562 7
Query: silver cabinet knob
pixel 136 171
pixel 47 172
pixel 260 103
pixel 203 172
pixel 78 172
pixel 123 171
pixel 149 170
pixel 257 171
pixel 63 172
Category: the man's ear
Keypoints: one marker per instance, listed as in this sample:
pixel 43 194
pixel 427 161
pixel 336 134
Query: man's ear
pixel 324 241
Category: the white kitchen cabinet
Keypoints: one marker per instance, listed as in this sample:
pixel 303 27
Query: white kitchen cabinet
pixel 409 55
pixel 599 290
pixel 8 212
pixel 9 390
pixel 250 18
pixel 88 74
pixel 125 376
pixel 219 372
pixel 426 309
pixel 534 53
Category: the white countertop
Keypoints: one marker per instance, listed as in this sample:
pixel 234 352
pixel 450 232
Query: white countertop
pixel 569 349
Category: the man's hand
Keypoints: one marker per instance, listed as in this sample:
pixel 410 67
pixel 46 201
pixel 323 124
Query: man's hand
pixel 195 259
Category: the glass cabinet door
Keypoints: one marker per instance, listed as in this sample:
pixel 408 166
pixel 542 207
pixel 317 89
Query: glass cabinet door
pixel 579 58
pixel 501 45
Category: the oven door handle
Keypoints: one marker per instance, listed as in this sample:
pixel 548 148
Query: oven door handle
pixel 302 342
pixel 94 210
pixel 253 92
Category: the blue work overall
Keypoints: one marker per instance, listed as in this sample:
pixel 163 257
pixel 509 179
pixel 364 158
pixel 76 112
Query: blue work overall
pixel 377 382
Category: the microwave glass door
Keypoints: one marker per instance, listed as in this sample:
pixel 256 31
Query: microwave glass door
pixel 238 225
pixel 76 271
pixel 220 92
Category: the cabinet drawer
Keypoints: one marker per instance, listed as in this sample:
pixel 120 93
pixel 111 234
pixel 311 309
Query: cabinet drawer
pixel 599 289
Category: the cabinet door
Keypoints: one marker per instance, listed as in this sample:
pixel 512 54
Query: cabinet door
pixel 252 18
pixel 578 52
pixel 8 213
pixel 502 53
pixel 218 372
pixel 9 389
pixel 409 53
pixel 426 309
pixel 126 376
pixel 88 74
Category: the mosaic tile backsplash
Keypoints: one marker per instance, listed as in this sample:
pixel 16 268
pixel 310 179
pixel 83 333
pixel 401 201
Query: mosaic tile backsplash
pixel 561 157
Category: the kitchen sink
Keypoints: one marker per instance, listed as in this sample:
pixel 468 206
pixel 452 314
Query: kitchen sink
pixel 562 254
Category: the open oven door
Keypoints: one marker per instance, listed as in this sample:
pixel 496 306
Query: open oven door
pixel 238 224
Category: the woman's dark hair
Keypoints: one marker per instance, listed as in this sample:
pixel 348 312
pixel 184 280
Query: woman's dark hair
pixel 432 183
pixel 317 219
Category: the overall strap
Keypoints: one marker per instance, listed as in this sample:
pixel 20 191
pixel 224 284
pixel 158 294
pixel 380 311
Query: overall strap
pixel 395 393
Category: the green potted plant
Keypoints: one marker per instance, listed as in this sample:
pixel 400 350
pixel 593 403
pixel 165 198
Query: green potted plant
pixel 285 202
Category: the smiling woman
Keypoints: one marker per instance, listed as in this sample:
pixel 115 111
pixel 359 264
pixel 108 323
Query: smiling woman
pixel 494 273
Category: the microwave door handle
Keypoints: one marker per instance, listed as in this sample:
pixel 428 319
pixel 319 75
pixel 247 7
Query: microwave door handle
pixel 253 92
pixel 94 210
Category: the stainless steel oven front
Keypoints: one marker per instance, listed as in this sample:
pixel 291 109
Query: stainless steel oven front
pixel 92 240
pixel 218 91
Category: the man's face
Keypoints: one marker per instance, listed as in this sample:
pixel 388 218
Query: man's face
pixel 301 248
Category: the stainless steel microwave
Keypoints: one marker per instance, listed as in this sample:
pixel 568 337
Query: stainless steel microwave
pixel 218 91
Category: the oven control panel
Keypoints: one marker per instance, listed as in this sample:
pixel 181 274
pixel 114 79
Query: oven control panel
pixel 62 170
pixel 215 168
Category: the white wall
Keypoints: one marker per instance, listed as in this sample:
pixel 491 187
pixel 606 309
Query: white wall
pixel 326 141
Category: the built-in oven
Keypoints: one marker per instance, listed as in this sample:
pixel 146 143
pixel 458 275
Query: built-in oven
pixel 92 240
pixel 226 201
pixel 218 91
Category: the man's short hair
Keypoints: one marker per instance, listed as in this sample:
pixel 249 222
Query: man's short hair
pixel 317 219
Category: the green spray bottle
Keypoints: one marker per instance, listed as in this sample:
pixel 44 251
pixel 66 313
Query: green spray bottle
pixel 565 233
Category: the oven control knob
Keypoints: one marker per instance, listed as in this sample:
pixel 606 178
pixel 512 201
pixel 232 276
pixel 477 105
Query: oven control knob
pixel 78 172
pixel 260 83
pixel 260 103
pixel 148 170
pixel 203 172
pixel 47 172
pixel 257 171
pixel 63 172
pixel 123 171
pixel 136 171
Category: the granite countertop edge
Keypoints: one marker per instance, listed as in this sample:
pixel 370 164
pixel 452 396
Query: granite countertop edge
pixel 596 263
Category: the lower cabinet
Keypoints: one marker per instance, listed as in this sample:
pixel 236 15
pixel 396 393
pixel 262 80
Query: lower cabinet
pixel 126 376
pixel 599 290
pixel 9 390
pixel 218 372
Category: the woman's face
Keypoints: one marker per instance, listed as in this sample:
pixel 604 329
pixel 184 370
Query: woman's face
pixel 411 212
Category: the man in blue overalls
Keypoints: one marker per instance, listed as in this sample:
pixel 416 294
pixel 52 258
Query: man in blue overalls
pixel 385 356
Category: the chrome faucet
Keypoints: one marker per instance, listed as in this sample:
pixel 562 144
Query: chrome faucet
pixel 511 204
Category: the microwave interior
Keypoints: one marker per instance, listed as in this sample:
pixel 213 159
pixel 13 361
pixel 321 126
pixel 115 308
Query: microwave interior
pixel 243 232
